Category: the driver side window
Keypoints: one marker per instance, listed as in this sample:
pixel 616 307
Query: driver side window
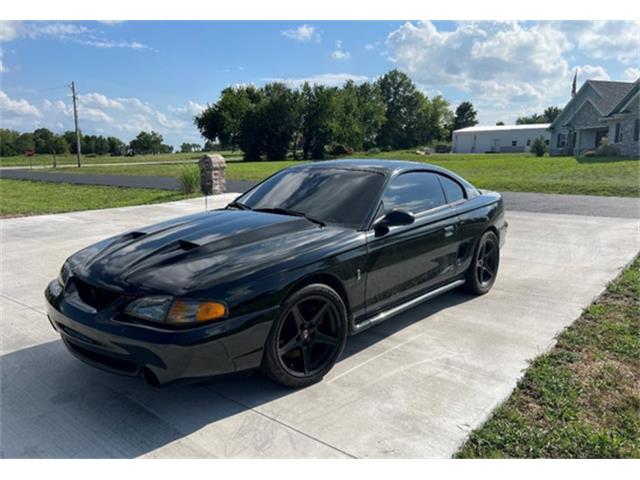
pixel 414 192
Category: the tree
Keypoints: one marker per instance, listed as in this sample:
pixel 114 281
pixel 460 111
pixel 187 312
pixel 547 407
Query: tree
pixel 500 123
pixel 117 147
pixel 405 111
pixel 538 147
pixel 189 147
pixel 320 119
pixel 437 117
pixel 466 116
pixel 43 140
pixel 223 120
pixel 146 143
pixel 8 143
pixel 551 113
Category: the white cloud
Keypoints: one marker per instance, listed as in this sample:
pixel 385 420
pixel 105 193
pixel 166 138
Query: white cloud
pixel 339 53
pixel 304 33
pixel 3 69
pixel 17 108
pixel 369 47
pixel 111 22
pixel 592 72
pixel 327 79
pixel 9 30
pixel 632 74
pixel 100 101
pixel 70 32
pixel 606 39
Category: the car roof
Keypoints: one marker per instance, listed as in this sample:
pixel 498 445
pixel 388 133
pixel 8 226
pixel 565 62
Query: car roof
pixel 381 165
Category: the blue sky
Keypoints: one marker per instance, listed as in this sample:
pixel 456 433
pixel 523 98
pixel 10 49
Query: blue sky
pixel 156 75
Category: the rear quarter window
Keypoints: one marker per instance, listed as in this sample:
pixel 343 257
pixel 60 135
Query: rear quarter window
pixel 452 189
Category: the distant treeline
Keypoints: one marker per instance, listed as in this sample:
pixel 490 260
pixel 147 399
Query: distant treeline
pixel 44 141
pixel 388 114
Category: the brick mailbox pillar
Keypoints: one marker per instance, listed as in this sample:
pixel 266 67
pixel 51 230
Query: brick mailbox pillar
pixel 212 176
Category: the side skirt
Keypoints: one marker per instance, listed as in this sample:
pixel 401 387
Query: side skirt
pixel 382 316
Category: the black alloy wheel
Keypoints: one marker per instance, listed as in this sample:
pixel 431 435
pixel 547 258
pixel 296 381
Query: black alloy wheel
pixel 307 338
pixel 484 266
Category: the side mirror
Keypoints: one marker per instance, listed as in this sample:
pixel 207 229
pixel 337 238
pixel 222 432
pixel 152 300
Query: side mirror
pixel 392 219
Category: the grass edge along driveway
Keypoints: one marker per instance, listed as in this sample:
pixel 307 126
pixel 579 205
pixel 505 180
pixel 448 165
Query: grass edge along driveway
pixel 23 197
pixel 582 398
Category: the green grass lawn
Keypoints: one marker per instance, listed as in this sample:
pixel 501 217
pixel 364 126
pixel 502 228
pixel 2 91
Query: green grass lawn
pixel 581 399
pixel 47 160
pixel 502 172
pixel 19 197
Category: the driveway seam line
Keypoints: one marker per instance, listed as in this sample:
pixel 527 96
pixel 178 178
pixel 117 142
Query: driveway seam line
pixel 290 427
pixel 11 299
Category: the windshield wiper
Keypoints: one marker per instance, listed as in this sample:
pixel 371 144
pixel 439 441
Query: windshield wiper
pixel 284 211
pixel 239 205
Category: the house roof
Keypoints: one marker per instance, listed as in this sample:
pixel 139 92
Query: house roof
pixel 504 128
pixel 609 95
pixel 626 98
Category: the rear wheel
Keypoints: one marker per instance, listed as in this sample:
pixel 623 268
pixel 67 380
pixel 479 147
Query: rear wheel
pixel 483 270
pixel 307 338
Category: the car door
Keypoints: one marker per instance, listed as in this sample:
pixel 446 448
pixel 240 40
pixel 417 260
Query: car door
pixel 409 259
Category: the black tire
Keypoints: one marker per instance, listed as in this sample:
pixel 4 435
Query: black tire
pixel 312 348
pixel 482 273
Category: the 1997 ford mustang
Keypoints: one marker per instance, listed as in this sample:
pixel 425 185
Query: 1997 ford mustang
pixel 280 277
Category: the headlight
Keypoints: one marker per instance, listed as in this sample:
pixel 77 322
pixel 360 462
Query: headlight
pixel 177 311
pixel 64 274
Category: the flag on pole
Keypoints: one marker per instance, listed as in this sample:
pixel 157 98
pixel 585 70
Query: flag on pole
pixel 575 81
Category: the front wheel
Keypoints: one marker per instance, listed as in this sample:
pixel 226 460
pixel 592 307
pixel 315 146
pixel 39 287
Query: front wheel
pixel 307 338
pixel 483 270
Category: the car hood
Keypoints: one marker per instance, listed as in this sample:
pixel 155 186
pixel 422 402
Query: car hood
pixel 192 253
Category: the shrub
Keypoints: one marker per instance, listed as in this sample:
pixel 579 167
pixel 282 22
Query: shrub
pixel 341 150
pixel 606 150
pixel 189 179
pixel 443 148
pixel 538 147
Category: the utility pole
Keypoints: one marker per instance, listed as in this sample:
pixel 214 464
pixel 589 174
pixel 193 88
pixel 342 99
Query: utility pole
pixel 75 119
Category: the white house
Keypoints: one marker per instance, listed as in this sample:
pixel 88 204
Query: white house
pixel 498 138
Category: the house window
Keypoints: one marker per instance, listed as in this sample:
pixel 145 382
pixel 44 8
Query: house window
pixel 562 140
pixel 636 130
pixel 528 142
pixel 514 143
pixel 618 136
pixel 546 142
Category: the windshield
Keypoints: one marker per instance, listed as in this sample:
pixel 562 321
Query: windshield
pixel 332 195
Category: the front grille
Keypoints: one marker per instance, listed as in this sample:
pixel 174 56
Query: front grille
pixel 98 298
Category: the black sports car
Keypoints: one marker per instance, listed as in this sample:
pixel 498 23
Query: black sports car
pixel 280 277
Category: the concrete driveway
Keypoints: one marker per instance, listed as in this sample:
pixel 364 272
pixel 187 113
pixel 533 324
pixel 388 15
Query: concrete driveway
pixel 414 386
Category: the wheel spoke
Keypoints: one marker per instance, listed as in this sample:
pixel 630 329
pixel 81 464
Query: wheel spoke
pixel 297 316
pixel 306 359
pixel 319 314
pixel 320 337
pixel 488 272
pixel 290 345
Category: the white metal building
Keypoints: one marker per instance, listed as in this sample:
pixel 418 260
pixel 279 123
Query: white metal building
pixel 498 138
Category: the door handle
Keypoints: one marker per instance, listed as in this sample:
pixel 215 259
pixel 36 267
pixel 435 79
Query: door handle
pixel 448 231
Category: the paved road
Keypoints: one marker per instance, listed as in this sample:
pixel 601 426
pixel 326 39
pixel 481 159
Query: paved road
pixel 517 201
pixel 413 386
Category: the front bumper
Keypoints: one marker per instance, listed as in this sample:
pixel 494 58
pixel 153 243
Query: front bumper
pixel 160 355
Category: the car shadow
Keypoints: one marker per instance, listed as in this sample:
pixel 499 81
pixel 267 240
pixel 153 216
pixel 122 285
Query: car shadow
pixel 54 406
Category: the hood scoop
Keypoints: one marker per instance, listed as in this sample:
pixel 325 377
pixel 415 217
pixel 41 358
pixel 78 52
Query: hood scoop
pixel 187 245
